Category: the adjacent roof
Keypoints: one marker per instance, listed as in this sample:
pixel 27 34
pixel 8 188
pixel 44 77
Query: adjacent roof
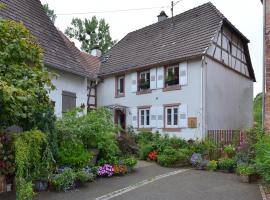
pixel 90 63
pixel 188 36
pixel 56 52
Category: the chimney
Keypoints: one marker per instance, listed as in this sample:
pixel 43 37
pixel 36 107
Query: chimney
pixel 162 16
pixel 96 52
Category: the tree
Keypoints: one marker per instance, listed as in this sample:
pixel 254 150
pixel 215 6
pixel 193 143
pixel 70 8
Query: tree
pixel 49 12
pixel 91 33
pixel 257 109
pixel 23 94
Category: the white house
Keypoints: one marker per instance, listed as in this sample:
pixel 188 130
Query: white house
pixel 74 71
pixel 184 76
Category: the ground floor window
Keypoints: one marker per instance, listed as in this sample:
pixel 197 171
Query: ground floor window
pixel 171 114
pixel 68 101
pixel 144 118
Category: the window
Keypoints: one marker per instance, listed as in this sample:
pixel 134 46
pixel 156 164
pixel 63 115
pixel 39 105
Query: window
pixel 172 75
pixel 120 85
pixel 171 117
pixel 144 80
pixel 144 117
pixel 68 101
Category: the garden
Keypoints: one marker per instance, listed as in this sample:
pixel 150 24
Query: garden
pixel 248 155
pixel 50 154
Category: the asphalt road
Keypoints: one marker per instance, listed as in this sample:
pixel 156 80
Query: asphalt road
pixel 173 184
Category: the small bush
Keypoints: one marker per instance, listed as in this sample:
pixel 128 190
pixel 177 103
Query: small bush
pixel 145 150
pixel 73 154
pixel 226 164
pixel 229 150
pixel 245 169
pixel 173 157
pixel 212 165
pixel 130 162
pixel 83 176
pixel 65 180
pixel 262 159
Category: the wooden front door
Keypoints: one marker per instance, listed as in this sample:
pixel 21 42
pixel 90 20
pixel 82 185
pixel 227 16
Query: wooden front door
pixel 120 119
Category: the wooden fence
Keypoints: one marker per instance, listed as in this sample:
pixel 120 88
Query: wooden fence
pixel 224 136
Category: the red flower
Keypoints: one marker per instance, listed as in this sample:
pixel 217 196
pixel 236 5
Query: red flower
pixel 152 155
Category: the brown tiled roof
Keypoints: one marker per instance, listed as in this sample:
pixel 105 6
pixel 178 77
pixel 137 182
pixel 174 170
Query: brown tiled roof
pixel 90 63
pixel 188 36
pixel 56 53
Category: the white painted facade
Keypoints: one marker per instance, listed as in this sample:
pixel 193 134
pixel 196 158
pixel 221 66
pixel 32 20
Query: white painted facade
pixel 64 81
pixel 217 96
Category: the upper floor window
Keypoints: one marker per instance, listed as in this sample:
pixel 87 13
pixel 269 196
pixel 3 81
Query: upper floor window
pixel 120 86
pixel 172 75
pixel 144 80
pixel 144 117
pixel 171 117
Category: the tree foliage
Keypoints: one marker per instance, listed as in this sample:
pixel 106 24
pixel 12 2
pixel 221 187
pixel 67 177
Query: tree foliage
pixel 91 33
pixel 49 12
pixel 257 109
pixel 23 97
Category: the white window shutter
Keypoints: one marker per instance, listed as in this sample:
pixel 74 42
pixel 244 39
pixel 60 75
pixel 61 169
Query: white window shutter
pixel 183 73
pixel 134 117
pixel 183 116
pixel 160 77
pixel 134 82
pixel 153 117
pixel 160 117
pixel 153 79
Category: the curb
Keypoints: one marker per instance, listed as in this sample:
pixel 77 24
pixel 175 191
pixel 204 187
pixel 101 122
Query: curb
pixel 262 192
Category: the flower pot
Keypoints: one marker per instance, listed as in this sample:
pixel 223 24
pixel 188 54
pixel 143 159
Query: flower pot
pixel 40 186
pixel 2 184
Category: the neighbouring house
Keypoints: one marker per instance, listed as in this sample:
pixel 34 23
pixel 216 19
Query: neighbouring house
pixel 185 76
pixel 74 71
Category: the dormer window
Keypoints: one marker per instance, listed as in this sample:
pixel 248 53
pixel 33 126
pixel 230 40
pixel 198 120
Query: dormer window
pixel 172 75
pixel 144 80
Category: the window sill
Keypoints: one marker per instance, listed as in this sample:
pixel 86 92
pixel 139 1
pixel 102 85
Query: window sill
pixel 171 129
pixel 144 92
pixel 144 129
pixel 171 88
pixel 120 95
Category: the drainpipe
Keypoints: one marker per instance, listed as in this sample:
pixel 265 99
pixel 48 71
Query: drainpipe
pixel 202 98
pixel 264 62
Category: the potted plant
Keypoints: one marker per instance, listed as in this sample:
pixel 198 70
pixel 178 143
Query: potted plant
pixel 227 164
pixel 212 165
pixel 171 79
pixel 144 84
pixel 229 150
pixel 247 173
pixel 130 163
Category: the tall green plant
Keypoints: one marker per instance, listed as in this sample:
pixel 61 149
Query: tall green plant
pixel 23 82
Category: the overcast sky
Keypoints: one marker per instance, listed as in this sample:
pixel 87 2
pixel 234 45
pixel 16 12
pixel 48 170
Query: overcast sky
pixel 246 15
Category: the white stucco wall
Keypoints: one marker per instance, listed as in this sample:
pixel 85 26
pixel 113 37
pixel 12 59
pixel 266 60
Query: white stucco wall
pixel 229 98
pixel 190 95
pixel 64 81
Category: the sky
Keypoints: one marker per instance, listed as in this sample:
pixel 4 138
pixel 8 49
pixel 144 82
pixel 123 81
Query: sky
pixel 246 15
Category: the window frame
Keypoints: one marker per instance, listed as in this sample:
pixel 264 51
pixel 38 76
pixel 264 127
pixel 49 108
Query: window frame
pixel 174 66
pixel 139 79
pixel 172 116
pixel 118 84
pixel 144 125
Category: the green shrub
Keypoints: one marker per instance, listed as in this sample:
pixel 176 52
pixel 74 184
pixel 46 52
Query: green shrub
pixel 145 149
pixel 212 165
pixel 64 180
pixel 130 162
pixel 82 176
pixel 245 169
pixel 229 150
pixel 262 159
pixel 226 164
pixel 73 154
pixel 144 137
pixel 173 157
